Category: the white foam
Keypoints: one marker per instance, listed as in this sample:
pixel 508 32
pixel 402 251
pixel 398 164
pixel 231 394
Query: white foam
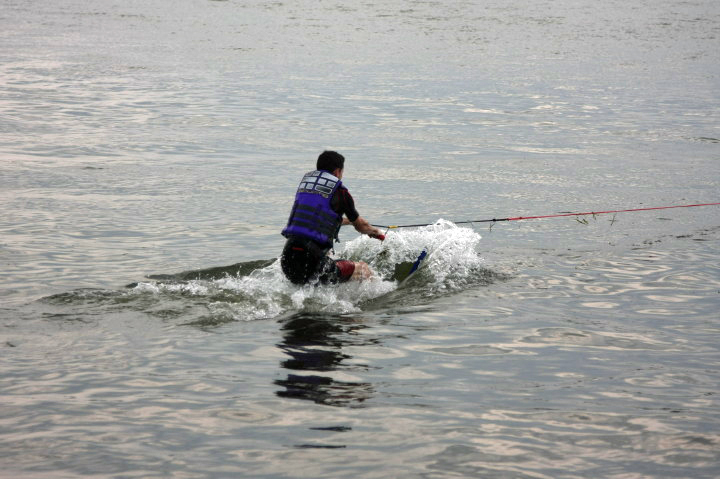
pixel 266 293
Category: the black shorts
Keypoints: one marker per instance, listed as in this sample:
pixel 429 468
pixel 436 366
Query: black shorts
pixel 303 261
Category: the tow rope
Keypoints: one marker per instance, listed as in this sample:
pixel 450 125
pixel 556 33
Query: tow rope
pixel 558 215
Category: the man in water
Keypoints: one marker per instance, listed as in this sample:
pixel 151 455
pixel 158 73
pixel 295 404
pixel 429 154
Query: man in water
pixel 322 205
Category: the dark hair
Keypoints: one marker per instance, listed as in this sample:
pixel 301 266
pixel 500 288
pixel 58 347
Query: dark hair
pixel 330 160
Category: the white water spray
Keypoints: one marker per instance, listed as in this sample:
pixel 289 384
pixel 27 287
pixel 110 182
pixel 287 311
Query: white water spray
pixel 452 261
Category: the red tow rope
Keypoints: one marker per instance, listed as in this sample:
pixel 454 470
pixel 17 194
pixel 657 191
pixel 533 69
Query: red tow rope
pixel 518 218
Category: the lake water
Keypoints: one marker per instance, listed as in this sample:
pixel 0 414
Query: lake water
pixel 149 154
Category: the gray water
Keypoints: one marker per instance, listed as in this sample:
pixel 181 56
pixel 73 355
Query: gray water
pixel 149 154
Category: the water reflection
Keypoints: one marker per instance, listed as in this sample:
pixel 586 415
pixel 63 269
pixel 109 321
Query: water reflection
pixel 314 343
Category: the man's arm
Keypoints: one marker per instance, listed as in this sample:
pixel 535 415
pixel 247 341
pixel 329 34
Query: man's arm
pixel 362 226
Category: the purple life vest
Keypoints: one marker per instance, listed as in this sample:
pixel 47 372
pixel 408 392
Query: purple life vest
pixel 311 216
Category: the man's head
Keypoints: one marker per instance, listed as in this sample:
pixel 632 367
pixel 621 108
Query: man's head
pixel 330 161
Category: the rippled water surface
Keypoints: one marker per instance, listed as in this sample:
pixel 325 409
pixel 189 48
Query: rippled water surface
pixel 149 158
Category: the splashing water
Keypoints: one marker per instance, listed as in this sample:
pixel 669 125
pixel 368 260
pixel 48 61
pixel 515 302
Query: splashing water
pixel 453 259
pixel 259 290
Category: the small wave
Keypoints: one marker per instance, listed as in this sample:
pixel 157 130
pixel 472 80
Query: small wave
pixel 238 269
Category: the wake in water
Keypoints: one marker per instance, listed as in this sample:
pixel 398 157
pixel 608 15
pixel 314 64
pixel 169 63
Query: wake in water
pixel 259 290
